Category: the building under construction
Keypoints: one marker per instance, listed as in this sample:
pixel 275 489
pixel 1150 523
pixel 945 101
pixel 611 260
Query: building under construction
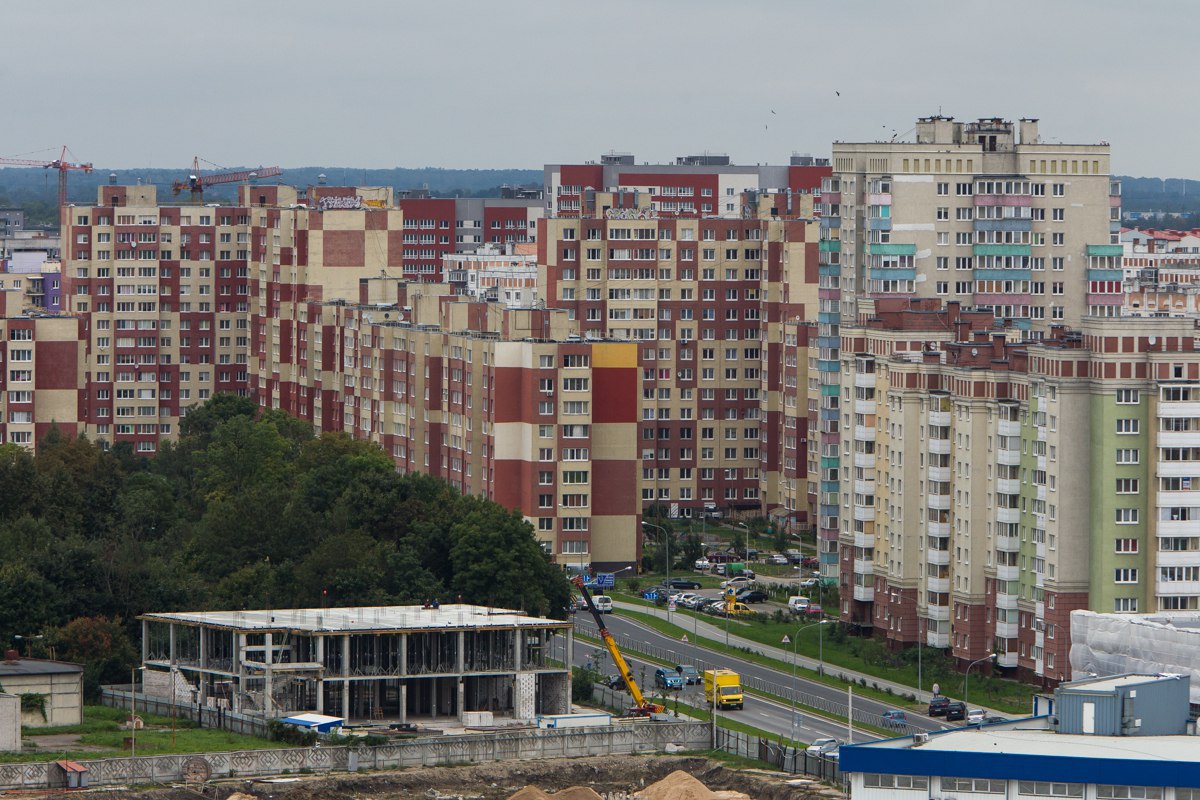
pixel 389 663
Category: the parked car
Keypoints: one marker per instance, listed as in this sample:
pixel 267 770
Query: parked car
pixel 689 673
pixel 814 610
pixel 603 603
pixel 937 705
pixel 798 604
pixel 956 710
pixel 810 562
pixel 683 583
pixel 895 719
pixel 684 599
pixel 752 596
pixel 738 610
pixel 667 679
pixel 719 569
pixel 697 602
pixel 777 559
pixel 976 716
pixel 821 747
pixel 810 583
pixel 740 582
pixel 702 564
pixel 615 682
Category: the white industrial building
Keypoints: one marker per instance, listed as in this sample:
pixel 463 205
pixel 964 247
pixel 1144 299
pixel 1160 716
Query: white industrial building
pixel 386 663
pixel 1116 644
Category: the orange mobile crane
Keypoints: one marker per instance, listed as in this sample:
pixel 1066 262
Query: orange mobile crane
pixel 641 706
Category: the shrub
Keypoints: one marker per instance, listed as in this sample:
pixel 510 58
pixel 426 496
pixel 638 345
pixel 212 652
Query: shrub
pixel 278 731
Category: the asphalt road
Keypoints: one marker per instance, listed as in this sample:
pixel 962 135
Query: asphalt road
pixel 774 718
pixel 632 635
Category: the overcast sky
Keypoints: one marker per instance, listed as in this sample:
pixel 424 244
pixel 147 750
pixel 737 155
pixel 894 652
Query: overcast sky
pixel 521 83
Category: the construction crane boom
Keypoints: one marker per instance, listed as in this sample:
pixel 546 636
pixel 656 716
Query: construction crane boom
pixel 196 182
pixel 642 707
pixel 61 164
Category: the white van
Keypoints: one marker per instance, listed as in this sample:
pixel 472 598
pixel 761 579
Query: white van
pixel 603 603
pixel 797 605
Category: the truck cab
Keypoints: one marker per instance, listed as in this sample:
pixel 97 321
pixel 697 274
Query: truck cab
pixel 725 685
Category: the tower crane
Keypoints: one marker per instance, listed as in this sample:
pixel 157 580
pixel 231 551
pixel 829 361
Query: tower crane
pixel 196 182
pixel 61 164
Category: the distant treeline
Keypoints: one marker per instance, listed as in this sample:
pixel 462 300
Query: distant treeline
pixel 36 190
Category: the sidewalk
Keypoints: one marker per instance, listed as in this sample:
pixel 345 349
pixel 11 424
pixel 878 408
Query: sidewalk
pixel 712 631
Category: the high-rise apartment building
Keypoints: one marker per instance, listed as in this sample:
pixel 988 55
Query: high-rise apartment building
pixel 993 485
pixel 986 214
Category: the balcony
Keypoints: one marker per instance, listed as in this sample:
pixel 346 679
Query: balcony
pixel 940 640
pixel 938 528
pixel 864 487
pixel 1181 499
pixel 864 460
pixel 1008 659
pixel 939 585
pixel 1177 409
pixel 864 513
pixel 1006 601
pixel 939 558
pixel 937 613
pixel 864 380
pixel 1008 427
pixel 864 539
pixel 1006 630
pixel 864 433
pixel 1179 438
pixel 864 406
pixel 864 566
pixel 1008 458
pixel 1008 544
pixel 1008 486
pixel 1174 558
pixel 940 447
pixel 1176 527
pixel 1008 515
pixel 939 474
pixel 941 502
pixel 1178 469
pixel 1177 587
pixel 865 594
pixel 1008 572
pixel 941 418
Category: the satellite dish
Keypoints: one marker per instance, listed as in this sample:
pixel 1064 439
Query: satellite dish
pixel 1152 340
pixel 974 351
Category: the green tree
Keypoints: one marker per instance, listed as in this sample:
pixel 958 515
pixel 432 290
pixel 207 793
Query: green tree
pixel 101 645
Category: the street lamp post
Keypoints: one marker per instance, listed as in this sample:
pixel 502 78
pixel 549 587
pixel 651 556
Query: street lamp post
pixel 795 648
pixel 967 676
pixel 667 582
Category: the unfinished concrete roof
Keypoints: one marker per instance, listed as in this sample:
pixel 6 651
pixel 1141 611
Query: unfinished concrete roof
pixel 362 619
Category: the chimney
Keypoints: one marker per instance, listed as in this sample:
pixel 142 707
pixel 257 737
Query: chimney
pixel 930 357
pixel 11 656
pixel 998 345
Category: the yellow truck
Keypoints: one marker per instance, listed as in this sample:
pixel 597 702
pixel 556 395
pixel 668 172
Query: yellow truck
pixel 728 687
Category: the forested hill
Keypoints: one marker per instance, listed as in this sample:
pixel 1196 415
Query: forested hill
pixel 247 510
pixel 1171 195
pixel 36 189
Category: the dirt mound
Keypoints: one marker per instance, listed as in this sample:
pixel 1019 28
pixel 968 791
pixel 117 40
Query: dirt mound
pixel 677 786
pixel 578 793
pixel 528 793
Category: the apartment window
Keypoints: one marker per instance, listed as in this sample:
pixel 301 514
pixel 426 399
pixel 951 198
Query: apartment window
pixel 943 237
pixel 1125 575
pixel 943 189
pixel 943 262
pixel 1125 605
pixel 1058 189
pixel 1126 546
pixel 1127 485
pixel 1127 425
pixel 943 212
pixel 1128 455
pixel 1128 396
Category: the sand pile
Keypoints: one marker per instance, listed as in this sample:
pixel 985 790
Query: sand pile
pixel 677 786
pixel 578 793
pixel 530 793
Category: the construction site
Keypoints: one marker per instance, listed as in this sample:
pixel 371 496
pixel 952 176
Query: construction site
pixel 398 664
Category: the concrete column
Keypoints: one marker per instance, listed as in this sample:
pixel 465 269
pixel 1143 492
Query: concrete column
pixel 461 660
pixel 403 655
pixel 145 640
pixel 239 642
pixel 346 677
pixel 404 701
pixel 268 658
pixel 518 647
pixel 570 651
pixel 462 691
pixel 172 650
pixel 435 687
pixel 203 647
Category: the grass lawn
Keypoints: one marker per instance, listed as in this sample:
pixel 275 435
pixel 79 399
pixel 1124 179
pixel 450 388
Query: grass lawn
pixel 100 736
pixel 1004 695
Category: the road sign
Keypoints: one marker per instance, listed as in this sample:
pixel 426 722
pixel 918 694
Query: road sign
pixel 685 638
pixel 671 603
pixel 674 510
pixel 606 580
pixel 787 639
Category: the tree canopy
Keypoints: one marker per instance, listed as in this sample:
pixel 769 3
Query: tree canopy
pixel 248 509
